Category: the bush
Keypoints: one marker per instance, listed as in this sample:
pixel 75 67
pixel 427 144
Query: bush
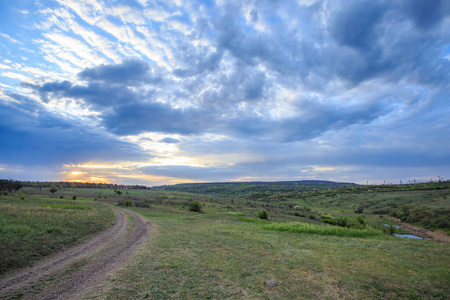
pixel 128 203
pixel 263 215
pixel 53 189
pixel 61 197
pixel 342 222
pixel 360 220
pixel 74 197
pixel 195 206
pixel 360 209
pixel 390 229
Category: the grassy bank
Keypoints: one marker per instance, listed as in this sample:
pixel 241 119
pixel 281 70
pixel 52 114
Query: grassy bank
pixel 323 230
pixel 32 227
pixel 214 255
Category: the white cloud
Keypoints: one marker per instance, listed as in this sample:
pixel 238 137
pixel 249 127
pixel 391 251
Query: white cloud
pixel 127 14
pixel 10 38
pixel 90 11
pixel 76 48
pixel 99 43
pixel 18 76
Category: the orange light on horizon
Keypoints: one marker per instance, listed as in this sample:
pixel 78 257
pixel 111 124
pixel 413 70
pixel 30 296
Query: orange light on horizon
pixel 77 173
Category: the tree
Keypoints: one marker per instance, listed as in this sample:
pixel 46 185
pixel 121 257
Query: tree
pixel 53 189
pixel 263 215
pixel 195 206
pixel 10 185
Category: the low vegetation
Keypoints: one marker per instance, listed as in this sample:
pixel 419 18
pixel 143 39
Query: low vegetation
pixel 39 226
pixel 215 255
pixel 195 206
pixel 326 243
pixel 322 230
pixel 263 215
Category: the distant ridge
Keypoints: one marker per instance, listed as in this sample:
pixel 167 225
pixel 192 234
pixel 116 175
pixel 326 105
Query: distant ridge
pixel 293 182
pixel 248 187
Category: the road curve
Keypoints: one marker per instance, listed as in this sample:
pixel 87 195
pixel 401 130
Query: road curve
pixel 78 271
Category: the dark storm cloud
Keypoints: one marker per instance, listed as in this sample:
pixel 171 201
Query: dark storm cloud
pixel 355 26
pixel 362 41
pixel 135 118
pixel 130 72
pixel 318 118
pixel 38 137
pixel 191 173
pixel 197 62
pixel 426 13
pixel 371 40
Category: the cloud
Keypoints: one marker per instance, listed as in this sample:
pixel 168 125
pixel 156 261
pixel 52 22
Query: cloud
pixel 248 89
pixel 426 14
pixel 170 141
pixel 34 136
pixel 356 25
pixel 130 72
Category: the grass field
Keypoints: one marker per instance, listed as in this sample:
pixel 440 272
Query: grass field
pixel 37 226
pixel 214 255
pixel 227 252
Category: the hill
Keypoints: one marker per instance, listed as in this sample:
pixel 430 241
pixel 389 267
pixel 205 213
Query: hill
pixel 244 188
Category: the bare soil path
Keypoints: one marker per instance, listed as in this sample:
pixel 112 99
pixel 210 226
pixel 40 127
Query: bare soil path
pixel 79 271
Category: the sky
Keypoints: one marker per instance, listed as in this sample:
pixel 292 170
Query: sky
pixel 174 91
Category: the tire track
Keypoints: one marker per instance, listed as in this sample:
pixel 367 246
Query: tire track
pixel 78 271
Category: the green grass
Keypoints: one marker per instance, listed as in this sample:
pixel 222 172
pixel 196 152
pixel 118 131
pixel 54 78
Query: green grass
pixel 250 220
pixel 322 230
pixel 234 213
pixel 66 206
pixel 223 254
pixel 215 256
pixel 39 226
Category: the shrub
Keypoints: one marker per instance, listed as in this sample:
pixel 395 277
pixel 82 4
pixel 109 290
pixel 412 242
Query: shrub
pixel 74 197
pixel 360 220
pixel 390 229
pixel 195 206
pixel 342 222
pixel 360 209
pixel 53 189
pixel 61 197
pixel 263 215
pixel 128 203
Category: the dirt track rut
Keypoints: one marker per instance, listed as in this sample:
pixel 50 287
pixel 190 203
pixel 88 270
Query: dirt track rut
pixel 79 271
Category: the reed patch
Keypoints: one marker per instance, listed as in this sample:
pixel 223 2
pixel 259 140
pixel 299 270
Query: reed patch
pixel 322 230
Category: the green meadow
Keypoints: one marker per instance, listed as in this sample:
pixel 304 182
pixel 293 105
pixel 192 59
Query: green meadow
pixel 323 244
pixel 35 226
pixel 215 255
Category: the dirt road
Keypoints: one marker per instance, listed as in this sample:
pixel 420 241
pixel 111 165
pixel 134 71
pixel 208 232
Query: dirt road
pixel 79 271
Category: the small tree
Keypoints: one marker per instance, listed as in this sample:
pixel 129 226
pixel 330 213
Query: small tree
pixel 360 209
pixel 53 189
pixel 263 215
pixel 195 206
pixel 360 220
